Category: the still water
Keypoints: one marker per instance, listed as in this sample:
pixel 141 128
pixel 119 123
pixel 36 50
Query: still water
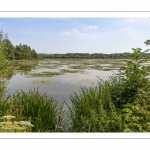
pixel 78 73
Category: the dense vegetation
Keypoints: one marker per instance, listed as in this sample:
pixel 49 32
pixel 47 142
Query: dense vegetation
pixel 120 104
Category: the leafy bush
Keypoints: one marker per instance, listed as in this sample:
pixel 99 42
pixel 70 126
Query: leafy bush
pixel 131 79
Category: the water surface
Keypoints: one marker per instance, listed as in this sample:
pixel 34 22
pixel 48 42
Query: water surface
pixel 65 84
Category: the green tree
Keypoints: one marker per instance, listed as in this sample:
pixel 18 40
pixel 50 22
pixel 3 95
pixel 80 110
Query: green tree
pixel 5 65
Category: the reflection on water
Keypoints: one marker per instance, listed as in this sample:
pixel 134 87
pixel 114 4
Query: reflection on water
pixel 67 83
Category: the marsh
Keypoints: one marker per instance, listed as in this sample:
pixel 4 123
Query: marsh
pixel 60 78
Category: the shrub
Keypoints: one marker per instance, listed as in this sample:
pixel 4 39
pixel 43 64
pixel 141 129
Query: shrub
pixel 130 79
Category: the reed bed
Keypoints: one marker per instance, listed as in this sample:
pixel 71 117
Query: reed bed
pixel 42 110
pixel 93 110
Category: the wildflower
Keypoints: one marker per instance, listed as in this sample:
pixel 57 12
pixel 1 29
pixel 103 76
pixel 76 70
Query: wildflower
pixel 8 117
pixel 26 123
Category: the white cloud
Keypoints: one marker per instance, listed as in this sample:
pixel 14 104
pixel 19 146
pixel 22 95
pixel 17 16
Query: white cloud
pixel 77 34
pixel 89 27
pixel 128 31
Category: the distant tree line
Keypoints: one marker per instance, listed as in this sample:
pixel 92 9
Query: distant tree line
pixel 21 51
pixel 87 55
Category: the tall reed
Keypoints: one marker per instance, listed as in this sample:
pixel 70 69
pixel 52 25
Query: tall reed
pixel 93 110
pixel 43 111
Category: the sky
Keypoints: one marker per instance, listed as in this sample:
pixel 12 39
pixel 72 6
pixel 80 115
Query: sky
pixel 78 35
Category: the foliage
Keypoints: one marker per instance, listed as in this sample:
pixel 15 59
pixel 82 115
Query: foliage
pixel 147 42
pixel 25 52
pixel 12 52
pixel 131 79
pixel 136 117
pixel 5 66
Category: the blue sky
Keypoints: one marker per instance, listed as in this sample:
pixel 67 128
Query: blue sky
pixel 78 35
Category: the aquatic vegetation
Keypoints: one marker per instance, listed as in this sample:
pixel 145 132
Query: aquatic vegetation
pixel 107 69
pixel 44 82
pixel 77 67
pixel 72 71
pixel 45 74
pixel 49 67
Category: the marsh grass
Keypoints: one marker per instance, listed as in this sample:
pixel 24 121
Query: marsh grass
pixel 42 110
pixel 93 110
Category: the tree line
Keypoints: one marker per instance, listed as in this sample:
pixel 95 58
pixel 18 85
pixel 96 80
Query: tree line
pixel 21 51
pixel 90 56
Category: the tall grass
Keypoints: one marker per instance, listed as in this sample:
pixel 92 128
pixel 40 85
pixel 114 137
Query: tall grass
pixel 93 110
pixel 43 111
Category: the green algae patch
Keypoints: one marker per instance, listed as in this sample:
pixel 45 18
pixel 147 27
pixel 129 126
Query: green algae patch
pixel 71 71
pixel 44 82
pixel 77 67
pixel 45 74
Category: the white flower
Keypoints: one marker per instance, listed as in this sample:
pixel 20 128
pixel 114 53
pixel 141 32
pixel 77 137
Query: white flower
pixel 8 117
pixel 26 123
